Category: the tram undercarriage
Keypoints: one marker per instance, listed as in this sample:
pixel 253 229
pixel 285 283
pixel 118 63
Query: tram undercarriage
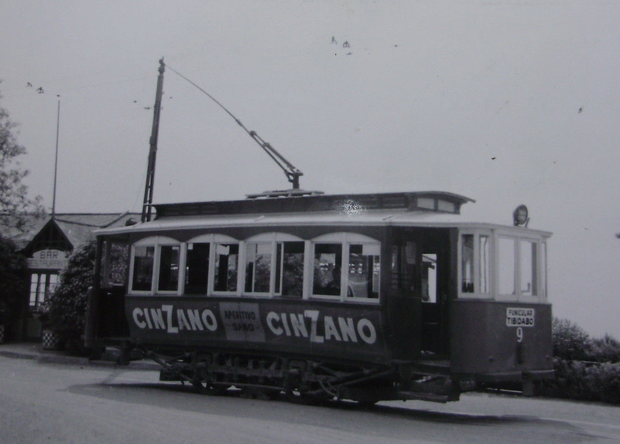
pixel 303 380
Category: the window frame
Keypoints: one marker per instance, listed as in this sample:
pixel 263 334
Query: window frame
pixel 518 238
pixel 157 242
pixel 345 239
pixel 274 239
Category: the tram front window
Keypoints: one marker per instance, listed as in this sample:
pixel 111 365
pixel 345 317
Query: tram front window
pixel 529 284
pixel 467 263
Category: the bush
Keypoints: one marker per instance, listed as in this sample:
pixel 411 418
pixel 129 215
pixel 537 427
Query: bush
pixel 606 349
pixel 13 279
pixel 584 381
pixel 65 309
pixel 570 342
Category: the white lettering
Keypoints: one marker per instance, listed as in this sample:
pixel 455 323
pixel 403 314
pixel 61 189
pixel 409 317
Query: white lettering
pixel 369 338
pixel 330 329
pixel 138 312
pixel 348 329
pixel 194 319
pixel 168 310
pixel 299 326
pixel 158 318
pixel 314 317
pixel 182 321
pixel 209 320
pixel 271 317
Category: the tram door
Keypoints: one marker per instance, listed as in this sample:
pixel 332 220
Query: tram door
pixel 111 322
pixel 428 262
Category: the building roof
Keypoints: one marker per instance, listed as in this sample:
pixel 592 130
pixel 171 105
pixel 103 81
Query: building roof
pixel 77 228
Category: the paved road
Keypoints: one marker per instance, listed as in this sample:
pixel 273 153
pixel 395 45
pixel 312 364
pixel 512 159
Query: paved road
pixel 79 404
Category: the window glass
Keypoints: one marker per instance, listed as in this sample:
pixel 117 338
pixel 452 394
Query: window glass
pixel 484 263
pixel 143 268
pixel 197 268
pixel 53 283
pixel 443 205
pixel 426 202
pixel 506 266
pixel 258 267
pixel 226 267
pixel 327 269
pixel 429 277
pixel 529 284
pixel 364 271
pixel 292 257
pixel 169 267
pixel 41 286
pixel 467 263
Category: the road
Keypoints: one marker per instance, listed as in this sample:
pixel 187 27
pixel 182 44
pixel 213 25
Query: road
pixel 55 403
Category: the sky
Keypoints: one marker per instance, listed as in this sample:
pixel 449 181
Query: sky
pixel 505 102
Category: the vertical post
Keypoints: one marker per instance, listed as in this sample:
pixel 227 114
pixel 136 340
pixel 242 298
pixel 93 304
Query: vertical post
pixel 150 172
pixel 56 161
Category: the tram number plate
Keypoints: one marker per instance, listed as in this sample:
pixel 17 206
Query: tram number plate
pixel 520 317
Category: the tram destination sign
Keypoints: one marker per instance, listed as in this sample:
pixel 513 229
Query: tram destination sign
pixel 520 317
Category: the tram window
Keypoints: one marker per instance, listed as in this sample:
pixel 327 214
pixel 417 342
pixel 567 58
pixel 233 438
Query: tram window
pixel 327 269
pixel 226 267
pixel 467 263
pixel 429 277
pixel 364 271
pixel 197 268
pixel 143 268
pixel 292 256
pixel 529 284
pixel 169 268
pixel 506 266
pixel 258 267
pixel 484 269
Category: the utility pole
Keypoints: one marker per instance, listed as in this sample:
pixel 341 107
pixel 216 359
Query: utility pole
pixel 150 172
pixel 56 161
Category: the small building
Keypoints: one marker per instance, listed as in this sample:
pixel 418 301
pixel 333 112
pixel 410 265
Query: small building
pixel 47 244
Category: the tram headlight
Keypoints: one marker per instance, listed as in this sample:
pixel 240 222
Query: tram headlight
pixel 520 216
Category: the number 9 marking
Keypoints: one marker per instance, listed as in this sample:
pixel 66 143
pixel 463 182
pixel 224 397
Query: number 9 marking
pixel 519 334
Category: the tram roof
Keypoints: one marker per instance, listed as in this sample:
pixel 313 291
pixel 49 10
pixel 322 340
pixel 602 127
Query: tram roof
pixel 396 209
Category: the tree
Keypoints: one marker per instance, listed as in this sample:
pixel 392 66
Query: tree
pixel 16 209
pixel 65 309
pixel 13 275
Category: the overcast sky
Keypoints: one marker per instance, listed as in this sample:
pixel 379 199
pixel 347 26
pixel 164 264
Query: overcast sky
pixel 506 102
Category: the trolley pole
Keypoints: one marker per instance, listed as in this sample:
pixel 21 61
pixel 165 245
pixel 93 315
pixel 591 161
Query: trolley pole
pixel 150 172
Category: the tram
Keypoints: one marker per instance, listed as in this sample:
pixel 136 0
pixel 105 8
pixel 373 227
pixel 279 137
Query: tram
pixel 365 297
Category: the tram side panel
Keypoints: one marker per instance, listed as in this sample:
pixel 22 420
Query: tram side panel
pixel 501 341
pixel 294 328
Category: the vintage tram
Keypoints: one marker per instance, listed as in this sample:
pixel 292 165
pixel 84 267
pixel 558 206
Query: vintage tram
pixel 365 297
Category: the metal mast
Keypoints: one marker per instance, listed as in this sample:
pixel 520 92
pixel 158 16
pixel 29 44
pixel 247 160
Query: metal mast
pixel 150 172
